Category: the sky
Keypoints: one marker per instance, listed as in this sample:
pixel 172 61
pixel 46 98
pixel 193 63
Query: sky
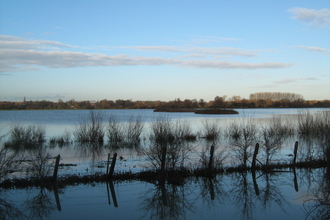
pixel 163 49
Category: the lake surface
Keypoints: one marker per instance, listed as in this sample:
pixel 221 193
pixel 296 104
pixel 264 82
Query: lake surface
pixel 294 194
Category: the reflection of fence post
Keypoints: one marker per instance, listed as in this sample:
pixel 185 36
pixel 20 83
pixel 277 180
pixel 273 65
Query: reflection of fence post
pixel 295 180
pixel 211 189
pixel 57 162
pixel 57 199
pixel 295 152
pixel 211 157
pixel 113 194
pixel 113 162
pixel 255 184
pixel 256 149
pixel 108 193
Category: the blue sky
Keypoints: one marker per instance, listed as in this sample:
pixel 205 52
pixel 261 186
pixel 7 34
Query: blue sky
pixel 163 49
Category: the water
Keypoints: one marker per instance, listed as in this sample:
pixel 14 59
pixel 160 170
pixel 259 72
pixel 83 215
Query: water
pixel 89 160
pixel 232 196
pixel 299 194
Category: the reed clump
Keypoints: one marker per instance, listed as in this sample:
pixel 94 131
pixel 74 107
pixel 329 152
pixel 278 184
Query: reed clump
pixel 242 136
pixel 26 136
pixel 61 140
pixel 124 133
pixel 168 148
pixel 90 130
pixel 272 137
pixel 210 130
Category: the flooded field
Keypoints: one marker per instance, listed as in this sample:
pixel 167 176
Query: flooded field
pixel 287 193
pixel 303 194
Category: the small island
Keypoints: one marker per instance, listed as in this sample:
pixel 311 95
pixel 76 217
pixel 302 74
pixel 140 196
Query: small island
pixel 216 111
pixel 198 111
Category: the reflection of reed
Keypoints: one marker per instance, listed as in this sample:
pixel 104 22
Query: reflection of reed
pixel 9 211
pixel 166 202
pixel 271 193
pixel 40 206
pixel 321 200
pixel 93 151
pixel 243 195
pixel 212 190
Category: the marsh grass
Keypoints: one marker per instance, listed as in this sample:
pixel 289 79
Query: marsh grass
pixel 61 140
pixel 9 162
pixel 314 130
pixel 219 156
pixel 40 165
pixel 306 123
pixel 26 137
pixel 242 136
pixel 169 142
pixel 91 129
pixel 272 137
pixel 210 130
pixel 126 134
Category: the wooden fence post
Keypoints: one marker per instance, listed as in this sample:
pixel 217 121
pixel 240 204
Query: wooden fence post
pixel 113 162
pixel 108 164
pixel 295 152
pixel 256 149
pixel 211 157
pixel 57 162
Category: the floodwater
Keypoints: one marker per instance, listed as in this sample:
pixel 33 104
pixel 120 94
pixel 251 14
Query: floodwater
pixel 291 194
pixel 302 194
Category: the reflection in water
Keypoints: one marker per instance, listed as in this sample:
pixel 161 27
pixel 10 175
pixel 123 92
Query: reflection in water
pixel 166 202
pixel 243 195
pixel 40 206
pixel 212 191
pixel 9 211
pixel 271 193
pixel 318 207
pixel 230 196
pixel 93 151
pixel 113 194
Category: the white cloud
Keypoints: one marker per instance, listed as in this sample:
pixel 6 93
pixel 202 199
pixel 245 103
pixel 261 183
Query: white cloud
pixel 314 49
pixel 317 18
pixel 13 42
pixel 19 54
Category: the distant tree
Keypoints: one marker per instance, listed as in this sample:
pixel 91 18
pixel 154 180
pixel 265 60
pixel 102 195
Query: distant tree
pixel 201 103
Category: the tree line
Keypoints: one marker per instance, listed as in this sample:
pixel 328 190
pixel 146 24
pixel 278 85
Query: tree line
pixel 256 100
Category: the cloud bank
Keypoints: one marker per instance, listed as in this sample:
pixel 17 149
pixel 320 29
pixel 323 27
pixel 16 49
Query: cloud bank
pixel 18 54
